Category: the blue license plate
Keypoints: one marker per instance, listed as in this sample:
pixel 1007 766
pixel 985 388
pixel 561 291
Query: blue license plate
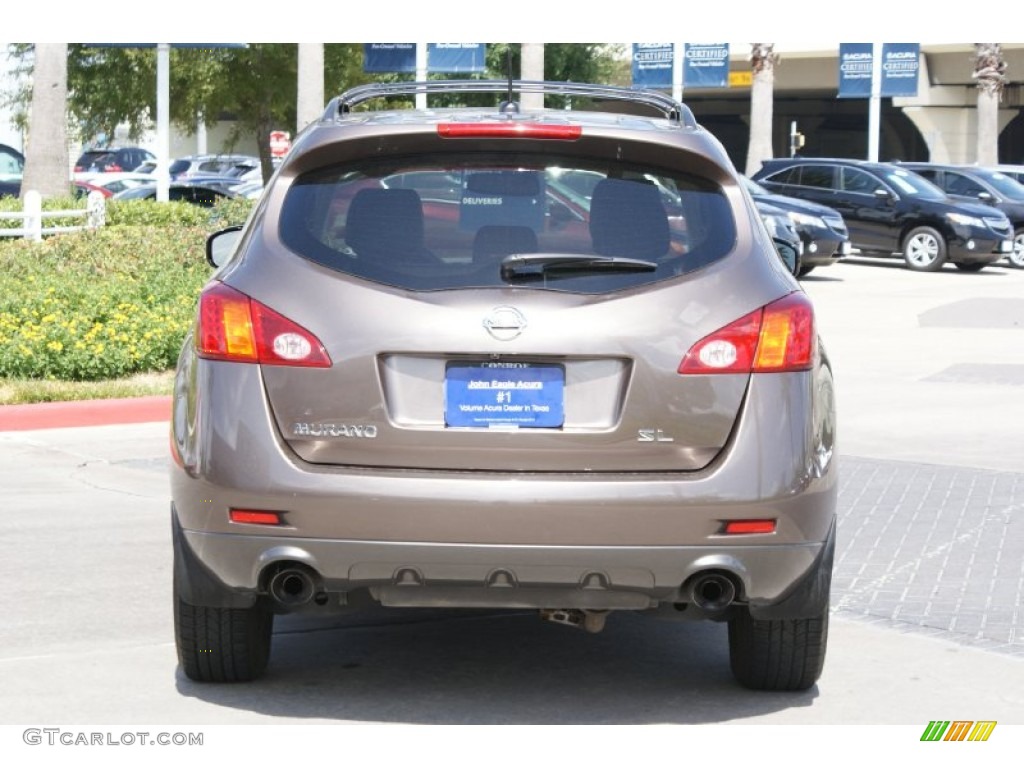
pixel 499 394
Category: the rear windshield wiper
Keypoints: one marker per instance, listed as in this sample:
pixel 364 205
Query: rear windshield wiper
pixel 532 266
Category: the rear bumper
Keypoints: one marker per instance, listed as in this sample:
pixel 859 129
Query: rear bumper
pixel 233 570
pixel 484 539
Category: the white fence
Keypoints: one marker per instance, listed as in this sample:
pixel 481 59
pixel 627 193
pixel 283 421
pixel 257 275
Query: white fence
pixel 33 217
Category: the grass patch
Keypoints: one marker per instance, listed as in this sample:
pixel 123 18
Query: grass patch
pixel 24 391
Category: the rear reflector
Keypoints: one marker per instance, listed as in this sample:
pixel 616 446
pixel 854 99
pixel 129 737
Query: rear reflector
pixel 236 328
pixel 776 338
pixel 508 130
pixel 749 526
pixel 254 517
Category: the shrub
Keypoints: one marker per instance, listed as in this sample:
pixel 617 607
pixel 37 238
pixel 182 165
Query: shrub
pixel 86 306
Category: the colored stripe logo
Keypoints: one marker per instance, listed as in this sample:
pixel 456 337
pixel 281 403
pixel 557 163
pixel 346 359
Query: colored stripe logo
pixel 958 730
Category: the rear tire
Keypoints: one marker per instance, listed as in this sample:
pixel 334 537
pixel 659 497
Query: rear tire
pixel 970 266
pixel 924 249
pixel 222 645
pixel 780 654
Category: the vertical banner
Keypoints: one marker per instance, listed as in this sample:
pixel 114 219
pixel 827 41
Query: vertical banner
pixel 901 63
pixel 854 70
pixel 706 65
pixel 389 57
pixel 652 65
pixel 456 57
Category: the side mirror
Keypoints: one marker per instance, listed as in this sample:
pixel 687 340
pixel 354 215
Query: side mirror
pixel 788 254
pixel 986 197
pixel 220 245
pixel 883 194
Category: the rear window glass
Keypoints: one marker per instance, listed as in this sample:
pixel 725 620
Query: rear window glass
pixel 492 221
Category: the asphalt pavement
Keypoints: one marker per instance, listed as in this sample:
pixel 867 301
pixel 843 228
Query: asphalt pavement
pixel 927 620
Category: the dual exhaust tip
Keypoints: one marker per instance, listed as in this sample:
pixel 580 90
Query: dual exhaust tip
pixel 711 592
pixel 295 585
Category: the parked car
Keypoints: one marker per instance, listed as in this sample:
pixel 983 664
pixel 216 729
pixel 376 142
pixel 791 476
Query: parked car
pixel 787 240
pixel 983 185
pixel 190 192
pixel 212 165
pixel 1015 172
pixel 889 209
pixel 485 403
pixel 821 229
pixel 12 164
pixel 111 160
pixel 112 183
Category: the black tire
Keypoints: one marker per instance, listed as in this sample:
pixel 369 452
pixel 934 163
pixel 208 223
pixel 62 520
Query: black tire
pixel 970 266
pixel 924 249
pixel 222 645
pixel 805 269
pixel 777 655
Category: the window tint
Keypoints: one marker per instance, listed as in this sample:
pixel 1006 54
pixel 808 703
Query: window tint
pixel 858 181
pixel 786 176
pixel 958 184
pixel 448 222
pixel 820 176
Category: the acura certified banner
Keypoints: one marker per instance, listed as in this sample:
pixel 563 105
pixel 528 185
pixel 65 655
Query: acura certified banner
pixel 854 70
pixel 706 65
pixel 901 63
pixel 652 64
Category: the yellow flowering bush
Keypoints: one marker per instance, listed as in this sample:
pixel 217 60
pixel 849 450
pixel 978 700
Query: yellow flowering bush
pixel 103 304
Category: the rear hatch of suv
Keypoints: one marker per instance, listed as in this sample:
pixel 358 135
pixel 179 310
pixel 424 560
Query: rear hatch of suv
pixel 471 306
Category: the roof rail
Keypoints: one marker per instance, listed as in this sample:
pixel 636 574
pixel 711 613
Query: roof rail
pixel 669 107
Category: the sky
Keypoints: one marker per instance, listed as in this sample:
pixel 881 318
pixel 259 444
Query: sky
pixel 806 22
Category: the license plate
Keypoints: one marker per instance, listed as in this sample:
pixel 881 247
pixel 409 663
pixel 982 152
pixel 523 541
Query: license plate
pixel 845 248
pixel 506 395
pixel 1006 246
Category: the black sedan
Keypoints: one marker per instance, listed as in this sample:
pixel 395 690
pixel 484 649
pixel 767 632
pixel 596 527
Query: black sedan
pixel 821 229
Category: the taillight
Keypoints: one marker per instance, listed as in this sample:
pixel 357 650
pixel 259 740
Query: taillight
pixel 234 327
pixel 776 338
pixel 509 130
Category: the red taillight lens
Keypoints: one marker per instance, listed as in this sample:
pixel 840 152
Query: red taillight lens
pixel 239 329
pixel 749 526
pixel 254 517
pixel 776 338
pixel 508 130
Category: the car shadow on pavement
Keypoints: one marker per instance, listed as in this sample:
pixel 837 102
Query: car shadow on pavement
pixel 464 667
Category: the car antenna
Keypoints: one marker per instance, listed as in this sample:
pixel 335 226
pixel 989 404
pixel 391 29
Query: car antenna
pixel 508 104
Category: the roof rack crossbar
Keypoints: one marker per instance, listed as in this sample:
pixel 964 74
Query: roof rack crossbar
pixel 669 107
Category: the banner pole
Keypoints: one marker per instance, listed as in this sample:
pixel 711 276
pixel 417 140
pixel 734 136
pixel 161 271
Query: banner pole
pixel 875 102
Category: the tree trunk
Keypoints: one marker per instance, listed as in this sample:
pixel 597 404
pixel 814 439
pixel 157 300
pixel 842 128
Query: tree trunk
pixel 762 94
pixel 47 169
pixel 990 74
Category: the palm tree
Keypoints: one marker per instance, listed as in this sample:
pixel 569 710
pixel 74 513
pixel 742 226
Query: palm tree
pixel 47 169
pixel 990 74
pixel 762 63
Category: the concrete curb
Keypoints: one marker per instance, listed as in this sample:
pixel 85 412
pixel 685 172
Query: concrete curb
pixel 84 413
